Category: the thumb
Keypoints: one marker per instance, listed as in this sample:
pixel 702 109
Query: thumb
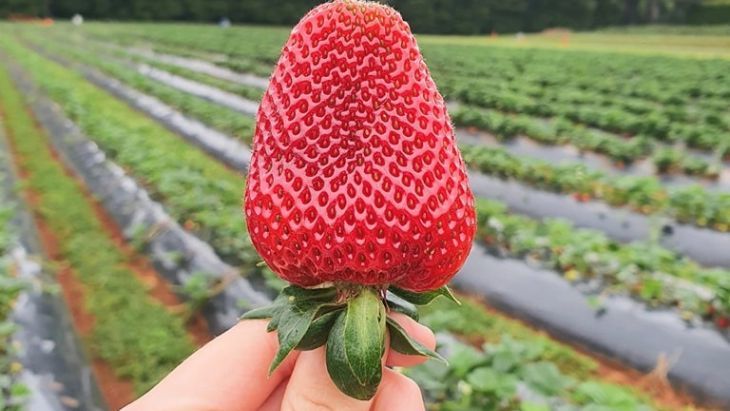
pixel 310 387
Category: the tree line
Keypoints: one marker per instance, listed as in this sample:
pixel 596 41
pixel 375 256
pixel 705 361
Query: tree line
pixel 425 16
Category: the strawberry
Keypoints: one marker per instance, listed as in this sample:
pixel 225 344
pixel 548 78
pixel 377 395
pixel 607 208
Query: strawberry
pixel 356 186
pixel 355 175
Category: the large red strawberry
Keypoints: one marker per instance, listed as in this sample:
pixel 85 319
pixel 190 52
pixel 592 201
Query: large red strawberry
pixel 356 181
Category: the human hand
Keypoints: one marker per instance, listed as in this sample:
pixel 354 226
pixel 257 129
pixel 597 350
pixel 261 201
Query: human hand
pixel 230 374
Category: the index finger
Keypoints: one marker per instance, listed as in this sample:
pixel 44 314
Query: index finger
pixel 229 373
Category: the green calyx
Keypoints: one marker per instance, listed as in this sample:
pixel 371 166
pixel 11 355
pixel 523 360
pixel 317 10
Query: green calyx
pixel 351 322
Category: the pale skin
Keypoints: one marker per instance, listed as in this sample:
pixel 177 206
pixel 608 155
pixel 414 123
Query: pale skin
pixel 230 374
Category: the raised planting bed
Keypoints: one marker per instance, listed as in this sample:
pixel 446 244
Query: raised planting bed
pixel 54 374
pixel 229 150
pixel 200 66
pixel 623 329
pixel 201 90
pixel 647 195
pixel 496 362
pixel 599 266
pixel 120 319
pixel 521 146
pixel 707 247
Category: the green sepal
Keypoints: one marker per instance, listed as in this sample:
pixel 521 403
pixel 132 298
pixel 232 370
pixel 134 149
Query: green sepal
pixel 319 330
pixel 356 344
pixel 425 297
pixel 261 313
pixel 292 326
pixel 399 305
pixel 401 342
pixel 299 295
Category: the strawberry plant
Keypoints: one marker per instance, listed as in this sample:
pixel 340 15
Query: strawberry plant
pixel 356 189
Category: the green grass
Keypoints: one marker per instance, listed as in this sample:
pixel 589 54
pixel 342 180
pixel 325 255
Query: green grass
pixel 137 336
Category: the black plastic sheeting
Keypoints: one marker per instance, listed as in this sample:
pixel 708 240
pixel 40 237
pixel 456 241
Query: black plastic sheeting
pixel 204 91
pixel 199 66
pixel 708 247
pixel 175 253
pixel 232 152
pixel 55 368
pixel 623 328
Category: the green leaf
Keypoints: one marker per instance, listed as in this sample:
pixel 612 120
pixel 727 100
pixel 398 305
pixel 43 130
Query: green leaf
pixel 401 342
pixel 487 380
pixel 319 331
pixel 292 325
pixel 402 306
pixel 299 295
pixel 545 378
pixel 425 297
pixel 355 346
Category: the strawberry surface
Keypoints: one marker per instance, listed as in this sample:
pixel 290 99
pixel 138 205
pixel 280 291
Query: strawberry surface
pixel 355 175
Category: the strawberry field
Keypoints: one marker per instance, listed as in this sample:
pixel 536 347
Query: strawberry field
pixel 599 278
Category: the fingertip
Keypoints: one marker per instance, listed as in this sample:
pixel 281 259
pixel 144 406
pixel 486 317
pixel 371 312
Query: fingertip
pixel 398 392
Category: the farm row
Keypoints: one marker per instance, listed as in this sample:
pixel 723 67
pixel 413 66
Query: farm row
pixel 574 378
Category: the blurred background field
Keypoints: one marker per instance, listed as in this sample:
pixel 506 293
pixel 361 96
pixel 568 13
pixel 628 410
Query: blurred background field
pixel 597 136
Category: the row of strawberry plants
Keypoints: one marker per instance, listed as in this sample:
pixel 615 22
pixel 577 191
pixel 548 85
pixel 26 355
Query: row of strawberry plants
pixel 656 125
pixel 561 131
pixel 513 369
pixel 127 322
pixel 97 48
pixel 692 204
pixel 533 96
pixel 257 57
pixel 644 270
pixel 661 79
pixel 12 392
